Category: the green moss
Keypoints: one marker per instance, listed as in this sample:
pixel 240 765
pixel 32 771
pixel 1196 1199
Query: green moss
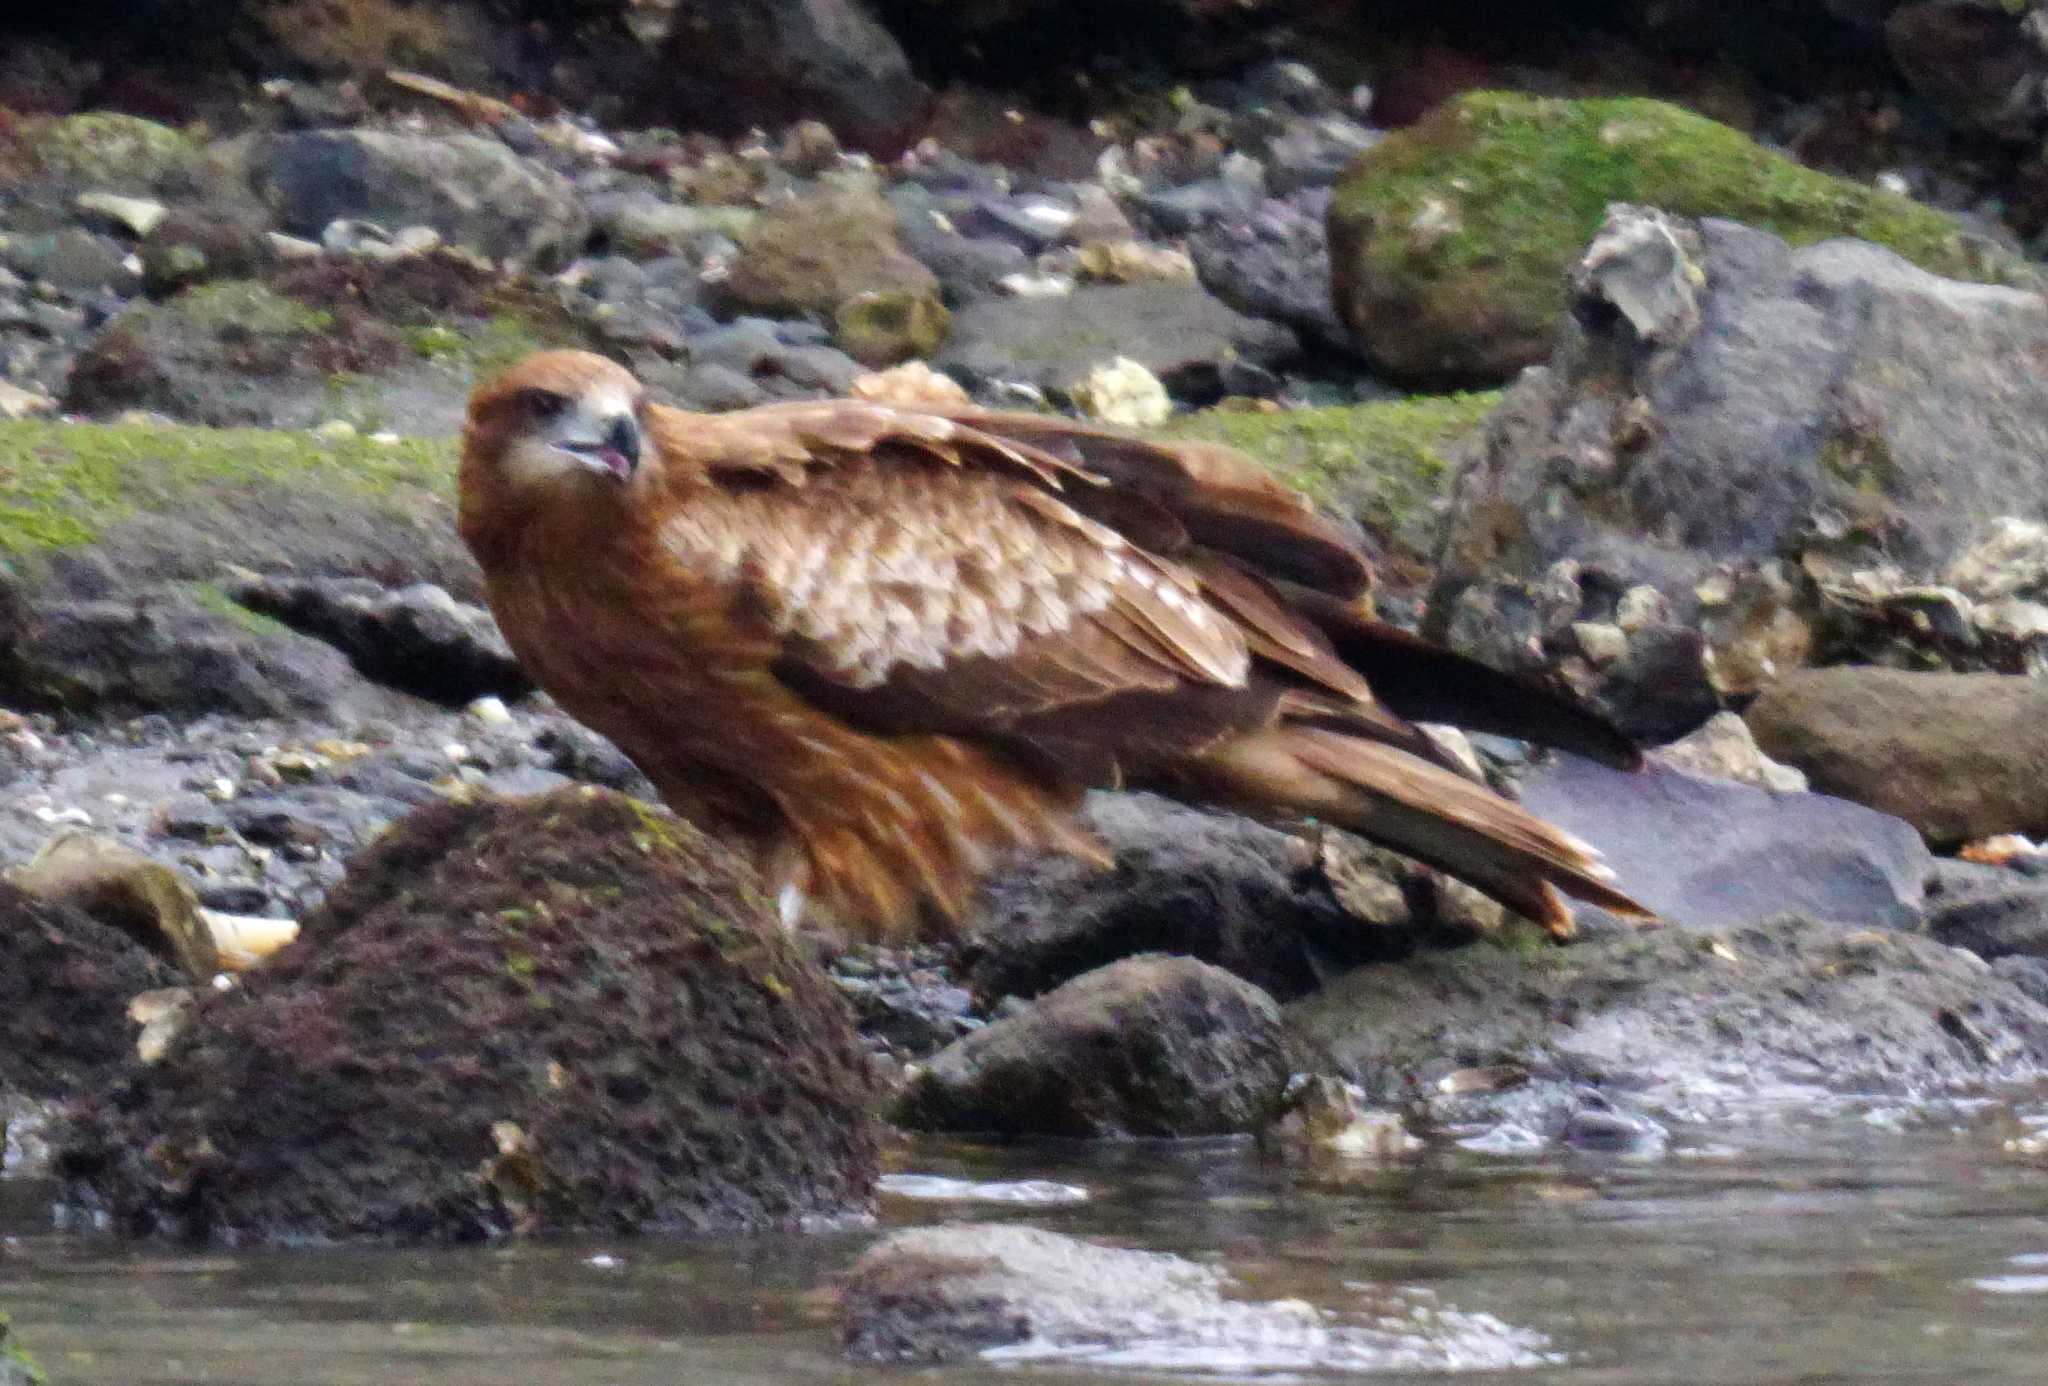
pixel 62 484
pixel 1474 214
pixel 247 306
pixel 1383 463
pixel 110 150
pixel 215 598
pixel 15 1353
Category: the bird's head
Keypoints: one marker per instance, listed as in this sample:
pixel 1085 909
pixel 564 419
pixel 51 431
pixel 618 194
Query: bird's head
pixel 556 424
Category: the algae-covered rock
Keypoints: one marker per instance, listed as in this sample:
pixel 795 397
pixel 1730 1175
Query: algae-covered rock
pixel 106 151
pixel 885 329
pixel 1388 464
pixel 139 502
pixel 211 354
pixel 1450 241
pixel 568 1012
pixel 113 541
pixel 818 254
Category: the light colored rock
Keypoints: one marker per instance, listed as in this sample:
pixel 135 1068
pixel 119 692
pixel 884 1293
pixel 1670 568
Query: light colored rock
pixel 1724 749
pixel 2008 558
pixel 138 215
pixel 17 403
pixel 1125 393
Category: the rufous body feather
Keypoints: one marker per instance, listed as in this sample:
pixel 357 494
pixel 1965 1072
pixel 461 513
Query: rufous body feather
pixel 885 646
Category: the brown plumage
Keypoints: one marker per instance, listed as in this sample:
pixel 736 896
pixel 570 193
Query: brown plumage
pixel 883 645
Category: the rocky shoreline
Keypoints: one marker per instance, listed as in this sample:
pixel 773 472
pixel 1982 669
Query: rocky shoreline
pixel 1732 425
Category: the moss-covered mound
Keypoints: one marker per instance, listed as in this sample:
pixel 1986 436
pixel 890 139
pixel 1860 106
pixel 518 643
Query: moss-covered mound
pixel 1450 240
pixel 1384 464
pixel 566 1012
pixel 241 495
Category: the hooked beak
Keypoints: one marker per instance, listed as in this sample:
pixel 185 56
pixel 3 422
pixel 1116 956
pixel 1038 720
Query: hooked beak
pixel 615 452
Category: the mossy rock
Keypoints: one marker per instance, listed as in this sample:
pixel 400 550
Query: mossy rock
pixel 880 330
pixel 814 255
pixel 566 1013
pixel 1450 241
pixel 107 151
pixel 155 502
pixel 1386 465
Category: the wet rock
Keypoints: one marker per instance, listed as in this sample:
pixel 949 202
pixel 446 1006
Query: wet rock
pixel 1451 240
pixel 934 1295
pixel 1170 327
pixel 1730 441
pixel 417 639
pixel 731 67
pixel 474 191
pixel 165 652
pixel 1741 1024
pixel 64 992
pixel 907 1005
pixel 1768 853
pixel 1960 756
pixel 1248 898
pixel 481 1033
pixel 817 254
pixel 1150 1046
pixel 1326 1118
pixel 1993 911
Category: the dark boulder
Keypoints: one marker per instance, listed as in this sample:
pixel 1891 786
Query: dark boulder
pixel 1151 1046
pixel 771 63
pixel 65 983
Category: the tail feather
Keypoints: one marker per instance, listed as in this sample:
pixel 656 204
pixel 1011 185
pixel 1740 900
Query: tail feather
pixel 1428 813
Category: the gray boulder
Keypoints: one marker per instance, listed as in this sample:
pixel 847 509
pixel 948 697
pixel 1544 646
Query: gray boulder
pixel 1709 852
pixel 1171 327
pixel 1151 1046
pixel 1727 427
pixel 474 191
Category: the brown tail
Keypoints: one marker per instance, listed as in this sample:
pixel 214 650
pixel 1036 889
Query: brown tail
pixel 1428 813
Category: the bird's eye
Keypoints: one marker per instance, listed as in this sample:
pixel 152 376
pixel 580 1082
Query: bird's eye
pixel 544 404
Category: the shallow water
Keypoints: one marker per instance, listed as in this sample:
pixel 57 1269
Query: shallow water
pixel 1848 1252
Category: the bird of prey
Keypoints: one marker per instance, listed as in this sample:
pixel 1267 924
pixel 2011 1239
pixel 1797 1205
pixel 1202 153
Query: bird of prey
pixel 884 645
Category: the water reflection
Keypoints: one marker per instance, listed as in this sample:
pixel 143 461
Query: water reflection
pixel 1848 1253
